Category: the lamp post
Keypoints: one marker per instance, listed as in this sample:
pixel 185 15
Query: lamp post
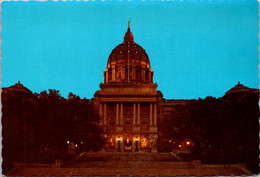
pixel 188 146
pixel 118 145
pixel 136 143
pixel 118 140
pixel 68 144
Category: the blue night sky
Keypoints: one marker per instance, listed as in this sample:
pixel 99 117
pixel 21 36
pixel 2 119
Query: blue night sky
pixel 196 48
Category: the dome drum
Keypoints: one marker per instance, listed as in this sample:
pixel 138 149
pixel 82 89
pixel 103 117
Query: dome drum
pixel 128 75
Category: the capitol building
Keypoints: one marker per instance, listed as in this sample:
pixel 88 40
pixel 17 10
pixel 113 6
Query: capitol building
pixel 128 101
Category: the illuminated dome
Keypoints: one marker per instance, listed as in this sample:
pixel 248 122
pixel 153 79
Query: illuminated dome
pixel 128 63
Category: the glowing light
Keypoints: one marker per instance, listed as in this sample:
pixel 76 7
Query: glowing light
pixel 144 142
pixel 188 143
pixel 170 141
pixel 68 142
pixel 81 142
pixel 76 145
pixel 118 139
pixel 179 146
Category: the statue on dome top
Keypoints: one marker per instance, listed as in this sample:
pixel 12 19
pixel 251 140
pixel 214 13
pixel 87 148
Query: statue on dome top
pixel 129 23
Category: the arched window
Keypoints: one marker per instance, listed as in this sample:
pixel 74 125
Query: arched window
pixel 144 143
pixel 138 73
pixel 111 142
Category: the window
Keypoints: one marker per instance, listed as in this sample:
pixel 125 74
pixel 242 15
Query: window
pixel 112 126
pixel 128 126
pixel 144 126
pixel 111 142
pixel 144 143
pixel 138 73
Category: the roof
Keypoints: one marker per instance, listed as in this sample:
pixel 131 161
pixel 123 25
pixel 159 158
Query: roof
pixel 239 88
pixel 18 87
pixel 127 53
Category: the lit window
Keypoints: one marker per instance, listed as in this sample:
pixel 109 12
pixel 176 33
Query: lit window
pixel 111 142
pixel 144 143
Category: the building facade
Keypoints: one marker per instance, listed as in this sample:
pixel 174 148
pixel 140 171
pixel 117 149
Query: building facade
pixel 128 99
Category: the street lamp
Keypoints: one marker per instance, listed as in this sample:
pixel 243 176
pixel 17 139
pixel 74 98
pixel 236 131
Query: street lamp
pixel 188 144
pixel 118 140
pixel 136 142
pixel 68 144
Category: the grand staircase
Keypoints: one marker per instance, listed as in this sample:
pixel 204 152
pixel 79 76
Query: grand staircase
pixel 126 164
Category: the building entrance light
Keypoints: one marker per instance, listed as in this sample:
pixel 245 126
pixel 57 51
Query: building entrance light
pixel 118 140
pixel 188 146
pixel 136 143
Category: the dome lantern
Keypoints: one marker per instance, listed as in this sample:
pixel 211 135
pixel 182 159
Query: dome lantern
pixel 128 35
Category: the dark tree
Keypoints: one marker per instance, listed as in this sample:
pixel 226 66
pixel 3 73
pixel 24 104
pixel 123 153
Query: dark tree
pixel 37 126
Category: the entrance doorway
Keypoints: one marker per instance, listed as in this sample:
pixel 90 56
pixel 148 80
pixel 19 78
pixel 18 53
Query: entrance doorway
pixel 111 143
pixel 128 144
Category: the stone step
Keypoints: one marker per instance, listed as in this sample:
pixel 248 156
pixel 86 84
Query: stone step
pixel 132 164
pixel 124 172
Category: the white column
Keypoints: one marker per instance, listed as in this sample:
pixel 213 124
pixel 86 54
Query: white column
pixel 113 74
pixel 144 74
pixel 123 73
pixel 134 123
pixel 117 113
pixel 121 114
pixel 106 76
pixel 138 113
pixel 133 73
pixel 105 113
pixel 155 114
pixel 101 113
pixel 142 71
pixel 151 114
